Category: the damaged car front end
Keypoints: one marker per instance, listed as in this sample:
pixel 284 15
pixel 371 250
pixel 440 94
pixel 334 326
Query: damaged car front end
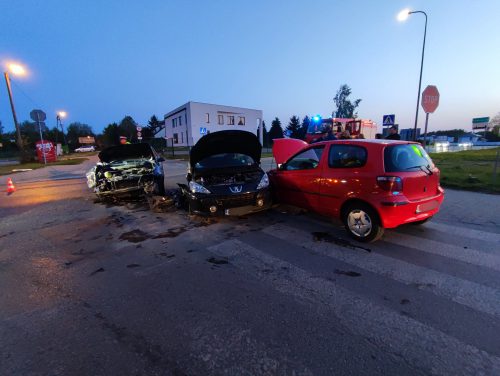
pixel 225 177
pixel 131 169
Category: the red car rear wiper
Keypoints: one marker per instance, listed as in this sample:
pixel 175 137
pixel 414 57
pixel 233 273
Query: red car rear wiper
pixel 425 169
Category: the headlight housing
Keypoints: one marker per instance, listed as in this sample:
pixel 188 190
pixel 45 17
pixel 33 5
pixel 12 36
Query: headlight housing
pixel 197 188
pixel 264 182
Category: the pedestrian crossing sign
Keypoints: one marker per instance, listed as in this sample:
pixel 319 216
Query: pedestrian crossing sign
pixel 388 120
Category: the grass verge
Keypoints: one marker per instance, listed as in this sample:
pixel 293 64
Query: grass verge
pixel 470 170
pixel 7 170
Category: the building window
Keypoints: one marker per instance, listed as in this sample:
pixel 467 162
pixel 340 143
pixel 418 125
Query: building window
pixel 180 120
pixel 174 123
pixel 182 137
pixel 241 120
pixel 230 120
pixel 221 119
pixel 176 138
pixel 207 118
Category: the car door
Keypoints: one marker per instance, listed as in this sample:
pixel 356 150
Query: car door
pixel 344 176
pixel 297 181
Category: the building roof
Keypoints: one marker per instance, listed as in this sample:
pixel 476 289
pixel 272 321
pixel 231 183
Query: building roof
pixel 185 105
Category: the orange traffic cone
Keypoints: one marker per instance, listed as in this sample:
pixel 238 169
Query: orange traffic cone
pixel 10 186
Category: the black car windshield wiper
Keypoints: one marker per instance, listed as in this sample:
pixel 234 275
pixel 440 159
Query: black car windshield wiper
pixel 425 169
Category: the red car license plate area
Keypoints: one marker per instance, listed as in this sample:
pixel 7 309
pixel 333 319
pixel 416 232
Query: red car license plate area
pixel 431 205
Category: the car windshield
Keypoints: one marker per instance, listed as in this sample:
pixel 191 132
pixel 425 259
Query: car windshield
pixel 408 157
pixel 225 160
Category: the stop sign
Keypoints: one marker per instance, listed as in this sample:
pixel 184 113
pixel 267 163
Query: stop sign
pixel 430 99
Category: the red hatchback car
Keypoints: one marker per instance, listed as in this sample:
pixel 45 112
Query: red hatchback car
pixel 369 184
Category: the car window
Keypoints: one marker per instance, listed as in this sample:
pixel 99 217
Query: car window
pixel 408 157
pixel 306 160
pixel 347 156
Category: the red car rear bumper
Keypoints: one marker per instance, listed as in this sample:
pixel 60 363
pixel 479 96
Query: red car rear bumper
pixel 398 210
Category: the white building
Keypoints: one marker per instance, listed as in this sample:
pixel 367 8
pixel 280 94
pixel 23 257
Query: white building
pixel 186 124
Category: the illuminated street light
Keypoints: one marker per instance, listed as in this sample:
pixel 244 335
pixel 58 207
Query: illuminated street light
pixel 17 70
pixel 402 16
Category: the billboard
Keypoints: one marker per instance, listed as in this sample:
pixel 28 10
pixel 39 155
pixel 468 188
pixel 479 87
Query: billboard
pixel 47 148
pixel 86 140
pixel 480 123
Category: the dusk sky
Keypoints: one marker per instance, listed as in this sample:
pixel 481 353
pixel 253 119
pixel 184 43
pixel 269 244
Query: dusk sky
pixel 102 60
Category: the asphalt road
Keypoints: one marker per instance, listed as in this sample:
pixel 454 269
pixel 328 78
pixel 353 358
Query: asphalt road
pixel 94 289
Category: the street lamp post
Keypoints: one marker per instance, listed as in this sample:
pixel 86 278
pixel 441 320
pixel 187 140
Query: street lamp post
pixel 61 115
pixel 402 16
pixel 16 124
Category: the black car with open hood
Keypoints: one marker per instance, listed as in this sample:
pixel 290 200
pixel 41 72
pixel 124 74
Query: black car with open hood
pixel 129 169
pixel 225 177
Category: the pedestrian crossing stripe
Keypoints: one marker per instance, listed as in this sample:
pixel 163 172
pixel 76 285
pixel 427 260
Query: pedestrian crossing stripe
pixel 382 325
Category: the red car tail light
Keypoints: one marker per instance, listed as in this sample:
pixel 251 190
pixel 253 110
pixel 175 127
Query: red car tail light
pixel 390 183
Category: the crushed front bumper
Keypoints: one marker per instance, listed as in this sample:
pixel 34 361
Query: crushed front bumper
pixel 230 205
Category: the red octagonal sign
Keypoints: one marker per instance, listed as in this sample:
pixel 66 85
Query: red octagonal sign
pixel 430 99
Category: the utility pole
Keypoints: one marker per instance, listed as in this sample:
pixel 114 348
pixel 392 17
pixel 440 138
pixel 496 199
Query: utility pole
pixel 18 130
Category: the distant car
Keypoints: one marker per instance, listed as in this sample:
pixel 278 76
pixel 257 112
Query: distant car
pixel 127 169
pixel 369 184
pixel 224 175
pixel 83 149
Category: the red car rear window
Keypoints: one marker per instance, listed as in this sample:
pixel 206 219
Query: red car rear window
pixel 408 157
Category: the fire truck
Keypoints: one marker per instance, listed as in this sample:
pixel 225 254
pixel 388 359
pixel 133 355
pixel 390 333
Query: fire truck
pixel 318 128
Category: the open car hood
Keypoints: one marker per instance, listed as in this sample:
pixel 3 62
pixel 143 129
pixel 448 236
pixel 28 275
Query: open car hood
pixel 231 141
pixel 128 151
pixel 284 148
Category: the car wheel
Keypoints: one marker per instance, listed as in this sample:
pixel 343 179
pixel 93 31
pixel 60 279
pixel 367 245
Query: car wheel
pixel 362 223
pixel 417 223
pixel 160 186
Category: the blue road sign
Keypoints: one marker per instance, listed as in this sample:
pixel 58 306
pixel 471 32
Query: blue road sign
pixel 388 120
pixel 203 130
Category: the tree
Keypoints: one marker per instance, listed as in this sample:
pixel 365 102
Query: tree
pixel 154 124
pixel 31 133
pixel 128 128
pixel 265 135
pixel 345 108
pixel 294 127
pixel 495 124
pixel 111 135
pixel 76 130
pixel 54 135
pixel 276 131
pixel 305 125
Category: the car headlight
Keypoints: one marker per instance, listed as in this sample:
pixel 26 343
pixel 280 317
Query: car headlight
pixel 197 188
pixel 264 181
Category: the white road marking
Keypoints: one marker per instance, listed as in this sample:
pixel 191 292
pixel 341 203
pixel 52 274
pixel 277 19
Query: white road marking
pixel 470 256
pixel 470 294
pixel 466 232
pixel 396 333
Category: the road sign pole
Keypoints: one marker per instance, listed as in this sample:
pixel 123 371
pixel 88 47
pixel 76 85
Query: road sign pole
pixel 425 129
pixel 41 137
